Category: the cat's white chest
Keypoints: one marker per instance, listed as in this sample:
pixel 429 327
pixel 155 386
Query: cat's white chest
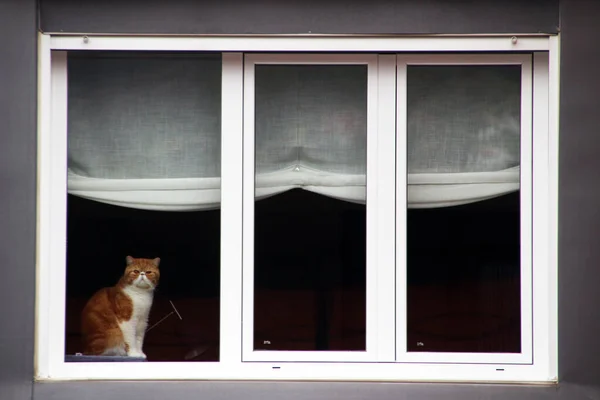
pixel 134 329
pixel 141 301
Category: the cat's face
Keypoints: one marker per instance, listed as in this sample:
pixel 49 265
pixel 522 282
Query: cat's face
pixel 142 273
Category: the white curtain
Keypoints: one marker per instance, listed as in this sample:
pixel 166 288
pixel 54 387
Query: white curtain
pixel 144 131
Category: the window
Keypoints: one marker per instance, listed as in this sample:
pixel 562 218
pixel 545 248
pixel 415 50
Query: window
pixel 143 180
pixel 465 250
pixel 311 125
pixel 330 209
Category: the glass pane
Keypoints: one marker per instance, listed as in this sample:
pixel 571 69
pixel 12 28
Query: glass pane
pixel 310 216
pixel 463 222
pixel 143 145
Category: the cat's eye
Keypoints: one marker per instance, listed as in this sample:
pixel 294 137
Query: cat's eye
pixel 136 271
pixel 148 272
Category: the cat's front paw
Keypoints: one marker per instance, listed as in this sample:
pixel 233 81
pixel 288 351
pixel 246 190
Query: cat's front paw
pixel 137 354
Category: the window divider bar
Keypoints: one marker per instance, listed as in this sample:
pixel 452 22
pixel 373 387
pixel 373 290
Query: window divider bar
pixel 401 205
pixel 248 199
pixel 230 343
pixel 527 205
pixel 386 179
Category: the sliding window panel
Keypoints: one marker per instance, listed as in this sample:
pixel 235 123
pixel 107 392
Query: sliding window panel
pixel 144 146
pixel 464 230
pixel 318 258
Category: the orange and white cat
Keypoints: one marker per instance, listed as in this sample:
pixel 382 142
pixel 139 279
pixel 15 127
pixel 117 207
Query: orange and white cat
pixel 115 318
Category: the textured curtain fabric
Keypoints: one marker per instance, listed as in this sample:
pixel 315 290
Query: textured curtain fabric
pixel 463 133
pixel 144 131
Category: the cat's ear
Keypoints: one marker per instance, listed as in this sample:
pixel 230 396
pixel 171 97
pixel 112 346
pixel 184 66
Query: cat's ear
pixel 156 261
pixel 129 260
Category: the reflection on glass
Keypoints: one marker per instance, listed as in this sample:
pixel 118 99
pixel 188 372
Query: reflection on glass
pixel 310 241
pixel 463 222
pixel 143 145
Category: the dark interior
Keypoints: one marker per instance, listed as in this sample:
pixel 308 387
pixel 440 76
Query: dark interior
pixel 464 277
pixel 100 236
pixel 463 274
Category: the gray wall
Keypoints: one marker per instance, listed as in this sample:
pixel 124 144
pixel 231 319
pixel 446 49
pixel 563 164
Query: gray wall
pixel 299 16
pixel 17 196
pixel 579 162
pixel 579 198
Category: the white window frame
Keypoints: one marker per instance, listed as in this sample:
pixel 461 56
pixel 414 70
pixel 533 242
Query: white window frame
pixel 527 263
pixel 380 317
pixel 51 247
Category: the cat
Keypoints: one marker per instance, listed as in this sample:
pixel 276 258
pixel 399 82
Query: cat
pixel 115 318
